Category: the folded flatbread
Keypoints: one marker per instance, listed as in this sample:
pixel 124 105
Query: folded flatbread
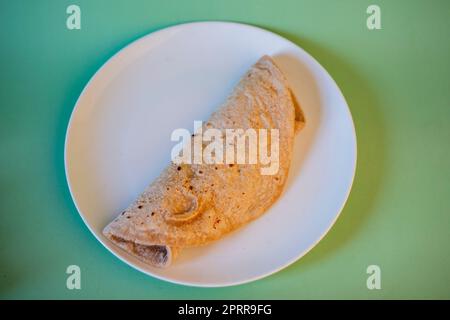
pixel 193 204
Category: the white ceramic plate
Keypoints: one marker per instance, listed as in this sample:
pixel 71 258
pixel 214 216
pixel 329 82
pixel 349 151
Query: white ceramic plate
pixel 118 140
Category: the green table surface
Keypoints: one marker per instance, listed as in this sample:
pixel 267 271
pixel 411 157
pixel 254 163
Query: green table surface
pixel 396 81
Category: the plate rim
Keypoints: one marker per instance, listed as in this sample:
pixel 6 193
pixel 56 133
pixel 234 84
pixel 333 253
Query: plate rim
pixel 225 283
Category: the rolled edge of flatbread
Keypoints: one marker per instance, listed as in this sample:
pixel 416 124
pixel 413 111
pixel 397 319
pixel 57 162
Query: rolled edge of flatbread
pixel 156 255
pixel 299 116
